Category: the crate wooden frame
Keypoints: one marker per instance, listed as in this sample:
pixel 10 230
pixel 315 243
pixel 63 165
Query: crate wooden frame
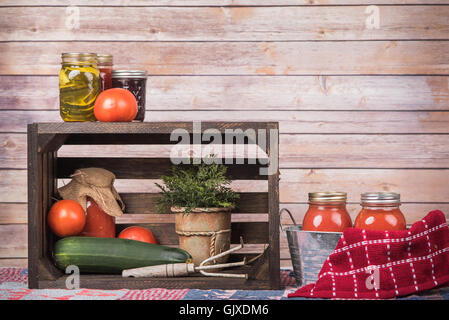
pixel 44 168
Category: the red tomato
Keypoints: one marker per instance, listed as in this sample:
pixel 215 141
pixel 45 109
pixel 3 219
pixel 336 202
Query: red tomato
pixel 66 218
pixel 115 105
pixel 139 234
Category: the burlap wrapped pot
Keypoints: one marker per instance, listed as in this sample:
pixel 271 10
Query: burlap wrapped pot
pixel 203 232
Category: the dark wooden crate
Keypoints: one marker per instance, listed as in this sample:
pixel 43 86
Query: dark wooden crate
pixel 45 168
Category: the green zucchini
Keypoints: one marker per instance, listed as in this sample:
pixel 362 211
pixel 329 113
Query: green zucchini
pixel 112 255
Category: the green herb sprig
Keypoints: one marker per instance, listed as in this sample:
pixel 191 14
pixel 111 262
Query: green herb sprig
pixel 199 186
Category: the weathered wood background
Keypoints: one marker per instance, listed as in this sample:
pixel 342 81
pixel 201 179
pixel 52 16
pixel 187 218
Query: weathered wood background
pixel 361 106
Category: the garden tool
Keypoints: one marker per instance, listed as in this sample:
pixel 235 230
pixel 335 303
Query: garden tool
pixel 184 269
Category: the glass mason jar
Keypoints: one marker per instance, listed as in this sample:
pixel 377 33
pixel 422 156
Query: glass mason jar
pixel 380 211
pixel 98 222
pixel 134 81
pixel 79 86
pixel 105 68
pixel 327 212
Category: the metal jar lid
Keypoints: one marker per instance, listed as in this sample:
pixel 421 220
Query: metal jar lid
pixel 78 57
pixel 133 74
pixel 380 198
pixel 105 59
pixel 327 196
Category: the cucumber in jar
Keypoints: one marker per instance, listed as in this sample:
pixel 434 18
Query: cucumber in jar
pixel 79 86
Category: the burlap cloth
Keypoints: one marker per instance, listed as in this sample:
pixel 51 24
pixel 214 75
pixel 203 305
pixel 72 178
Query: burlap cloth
pixel 98 184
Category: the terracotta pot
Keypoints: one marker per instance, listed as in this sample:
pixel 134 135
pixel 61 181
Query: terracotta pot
pixel 204 232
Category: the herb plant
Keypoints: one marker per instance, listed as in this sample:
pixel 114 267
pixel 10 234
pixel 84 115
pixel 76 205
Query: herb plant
pixel 199 186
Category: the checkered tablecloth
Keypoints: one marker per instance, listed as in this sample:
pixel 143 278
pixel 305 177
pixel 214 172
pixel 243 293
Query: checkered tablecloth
pixel 13 286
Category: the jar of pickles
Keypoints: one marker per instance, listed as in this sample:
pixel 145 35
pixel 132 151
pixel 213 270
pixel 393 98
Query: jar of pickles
pixel 327 212
pixel 105 68
pixel 134 81
pixel 380 211
pixel 79 86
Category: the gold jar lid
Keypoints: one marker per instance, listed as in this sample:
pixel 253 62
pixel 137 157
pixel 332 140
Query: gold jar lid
pixel 79 57
pixel 380 198
pixel 104 59
pixel 327 196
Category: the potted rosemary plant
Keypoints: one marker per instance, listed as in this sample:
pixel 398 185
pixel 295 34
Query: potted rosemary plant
pixel 202 201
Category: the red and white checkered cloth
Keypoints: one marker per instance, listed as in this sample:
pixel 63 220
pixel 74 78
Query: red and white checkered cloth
pixel 369 264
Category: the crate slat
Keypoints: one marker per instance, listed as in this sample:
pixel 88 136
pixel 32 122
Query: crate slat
pixel 148 139
pixel 145 203
pixel 149 168
pixel 136 128
pixel 198 282
pixel 252 232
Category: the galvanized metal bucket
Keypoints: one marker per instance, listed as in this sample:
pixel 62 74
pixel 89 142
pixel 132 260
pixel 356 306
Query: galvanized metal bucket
pixel 308 250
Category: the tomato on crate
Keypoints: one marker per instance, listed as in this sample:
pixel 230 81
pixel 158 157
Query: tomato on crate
pixel 327 212
pixel 66 218
pixel 139 234
pixel 115 105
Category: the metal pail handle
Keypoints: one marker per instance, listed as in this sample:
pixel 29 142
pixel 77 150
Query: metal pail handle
pixel 291 217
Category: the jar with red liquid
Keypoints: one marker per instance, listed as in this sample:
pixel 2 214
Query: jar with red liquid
pixel 134 81
pixel 98 222
pixel 327 212
pixel 380 211
pixel 105 68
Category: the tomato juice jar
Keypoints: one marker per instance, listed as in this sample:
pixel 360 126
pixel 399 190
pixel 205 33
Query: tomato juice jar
pixel 134 81
pixel 98 222
pixel 327 212
pixel 380 211
pixel 105 68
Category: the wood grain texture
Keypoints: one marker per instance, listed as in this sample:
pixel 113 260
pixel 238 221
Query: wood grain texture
pixel 296 151
pixel 208 3
pixel 291 122
pixel 414 185
pixel 364 151
pixel 139 168
pixel 117 282
pixel 13 263
pixel 13 213
pixel 236 93
pixel 13 241
pixel 145 203
pixel 241 58
pixel 224 24
pixel 323 122
pixel 146 128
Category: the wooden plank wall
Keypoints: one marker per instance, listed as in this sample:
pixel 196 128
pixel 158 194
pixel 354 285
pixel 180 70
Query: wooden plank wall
pixel 362 102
